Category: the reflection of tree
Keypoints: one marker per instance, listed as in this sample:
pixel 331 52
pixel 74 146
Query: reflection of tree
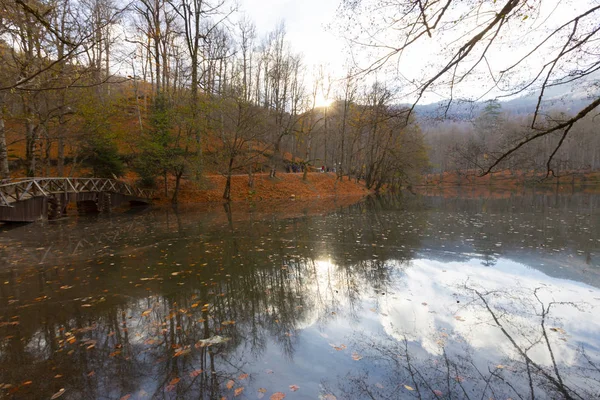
pixel 402 369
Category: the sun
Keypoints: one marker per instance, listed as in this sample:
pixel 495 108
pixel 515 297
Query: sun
pixel 322 102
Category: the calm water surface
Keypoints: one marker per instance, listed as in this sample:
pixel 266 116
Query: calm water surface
pixel 420 297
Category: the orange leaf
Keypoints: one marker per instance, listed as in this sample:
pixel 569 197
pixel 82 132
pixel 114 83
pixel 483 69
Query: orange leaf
pixel 243 376
pixel 229 384
pixel 293 388
pixel 126 397
pixel 174 381
pixel 195 373
pixel 277 396
pixel 238 391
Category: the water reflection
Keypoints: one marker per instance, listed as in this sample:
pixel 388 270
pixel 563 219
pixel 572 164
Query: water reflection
pixel 387 298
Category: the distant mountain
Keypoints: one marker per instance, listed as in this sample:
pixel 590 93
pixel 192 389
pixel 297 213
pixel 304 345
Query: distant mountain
pixel 570 98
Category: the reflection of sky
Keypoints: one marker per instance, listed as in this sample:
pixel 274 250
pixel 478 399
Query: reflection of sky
pixel 427 303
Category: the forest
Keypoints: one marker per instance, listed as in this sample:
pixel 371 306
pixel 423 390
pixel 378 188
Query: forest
pixel 205 96
pixel 172 90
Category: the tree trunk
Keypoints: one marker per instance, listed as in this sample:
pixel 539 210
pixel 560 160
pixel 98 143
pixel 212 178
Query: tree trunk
pixel 178 176
pixel 4 171
pixel 30 142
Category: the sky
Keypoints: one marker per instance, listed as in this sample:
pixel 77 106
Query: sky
pixel 305 23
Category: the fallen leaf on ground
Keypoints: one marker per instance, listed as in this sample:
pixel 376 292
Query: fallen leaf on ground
pixel 58 394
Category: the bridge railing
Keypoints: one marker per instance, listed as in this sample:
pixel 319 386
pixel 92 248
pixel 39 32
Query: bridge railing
pixel 26 188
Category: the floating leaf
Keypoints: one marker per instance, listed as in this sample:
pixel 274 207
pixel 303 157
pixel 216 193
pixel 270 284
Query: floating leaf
pixel 230 384
pixel 58 394
pixel 328 397
pixel 195 373
pixel 238 391
pixel 182 352
pixel 379 385
pixel 438 393
pixel 242 377
pixel 146 313
pixel 277 396
pixel 174 381
pixel 408 388
pixel 293 388
pixel 356 356
pixel 126 397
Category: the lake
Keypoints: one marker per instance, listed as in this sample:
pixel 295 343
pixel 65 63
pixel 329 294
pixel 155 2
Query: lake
pixel 389 298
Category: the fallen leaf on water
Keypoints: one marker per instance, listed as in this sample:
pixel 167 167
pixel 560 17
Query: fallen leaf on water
pixel 328 397
pixel 147 312
pixel 459 318
pixel 27 383
pixel 269 371
pixel 195 373
pixel 356 356
pixel 230 384
pixel 338 348
pixel 238 391
pixel 499 366
pixel 373 310
pixel 262 390
pixel 242 377
pixel 126 397
pixel 293 388
pixel 182 352
pixel 228 323
pixel 174 381
pixel 408 388
pixel 277 396
pixel 559 330
pixel 58 394
pixel 379 385
pixel 438 393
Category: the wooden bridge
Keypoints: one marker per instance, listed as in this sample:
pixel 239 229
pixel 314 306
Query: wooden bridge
pixel 32 199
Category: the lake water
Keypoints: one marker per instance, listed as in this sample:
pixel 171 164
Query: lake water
pixel 392 298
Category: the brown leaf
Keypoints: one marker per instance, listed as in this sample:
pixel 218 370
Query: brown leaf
pixel 242 377
pixel 126 397
pixel 147 312
pixel 293 388
pixel 329 397
pixel 238 391
pixel 174 381
pixel 277 396
pixel 230 384
pixel 58 394
pixel 356 356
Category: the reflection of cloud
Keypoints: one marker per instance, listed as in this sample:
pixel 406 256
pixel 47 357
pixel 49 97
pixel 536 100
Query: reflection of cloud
pixel 439 285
